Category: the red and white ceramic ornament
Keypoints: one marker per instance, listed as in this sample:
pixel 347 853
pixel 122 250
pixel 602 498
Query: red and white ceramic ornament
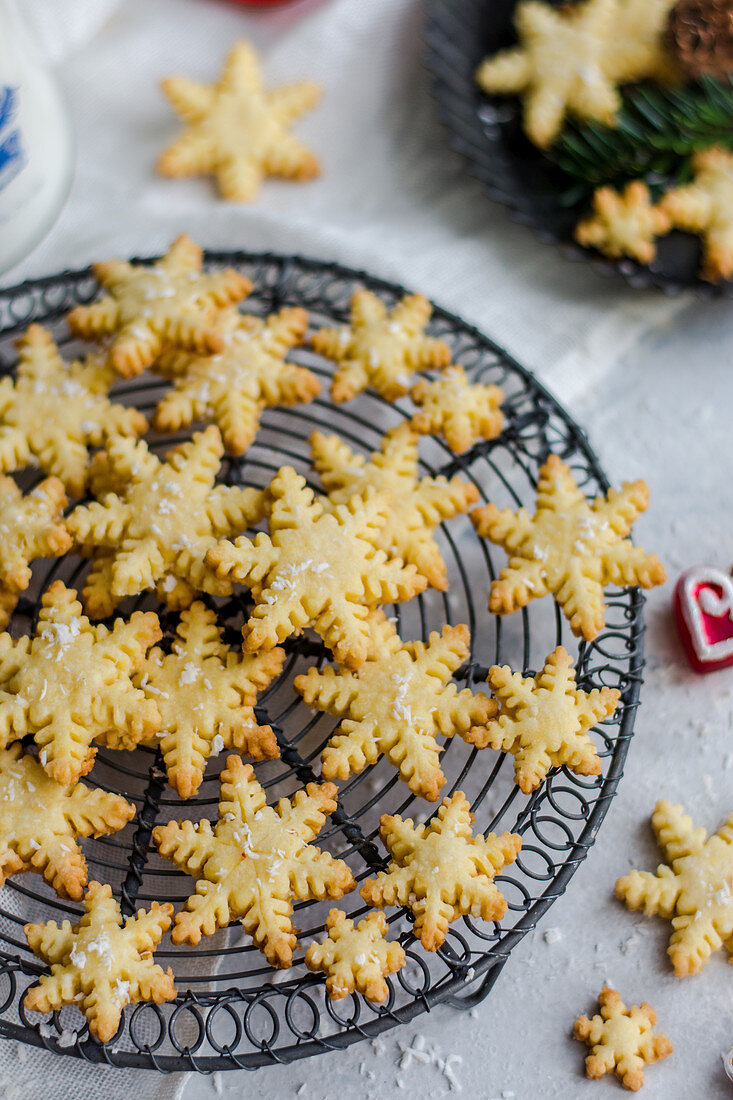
pixel 703 606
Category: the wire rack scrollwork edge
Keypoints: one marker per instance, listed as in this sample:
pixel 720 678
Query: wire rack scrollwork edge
pixel 324 288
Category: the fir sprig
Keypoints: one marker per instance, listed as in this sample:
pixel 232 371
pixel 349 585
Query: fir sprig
pixel 657 131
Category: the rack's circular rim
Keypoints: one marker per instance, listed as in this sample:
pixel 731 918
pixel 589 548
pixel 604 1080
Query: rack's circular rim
pixel 458 100
pixel 485 969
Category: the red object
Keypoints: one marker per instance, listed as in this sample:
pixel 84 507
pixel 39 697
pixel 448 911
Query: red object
pixel 703 607
pixel 261 3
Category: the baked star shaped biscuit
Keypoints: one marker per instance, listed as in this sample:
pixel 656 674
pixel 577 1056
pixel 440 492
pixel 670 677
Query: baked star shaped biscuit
pixel 40 821
pixel 622 1039
pixel 544 720
pixel 461 411
pixel 316 568
pixel 205 693
pixel 417 505
pixel 570 59
pixel 108 474
pixel 397 703
pixel 161 524
pixel 571 547
pixel 440 870
pixel 692 889
pixel 70 683
pixel 253 860
pixel 356 958
pixel 705 206
pixel 52 411
pixel 379 348
pixel 149 307
pixel 236 131
pixel 233 387
pixel 624 223
pixel 101 964
pixel 31 526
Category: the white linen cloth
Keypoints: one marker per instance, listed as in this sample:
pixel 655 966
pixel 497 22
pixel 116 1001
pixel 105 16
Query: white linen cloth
pixel 392 199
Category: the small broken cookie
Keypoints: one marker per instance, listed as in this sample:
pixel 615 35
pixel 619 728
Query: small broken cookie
pixel 237 131
pixel 622 1040
pixel 624 223
pixel 52 411
pixel 233 387
pixel 71 682
pixel 206 693
pixel 571 547
pixel 379 348
pixel 705 206
pixel 316 568
pixel 253 861
pixel 157 529
pixel 440 870
pixel 571 58
pixel 152 306
pixel 544 720
pixel 417 505
pixel 356 958
pixel 396 704
pixel 31 526
pixel 461 411
pixel 100 964
pixel 40 821
pixel 693 889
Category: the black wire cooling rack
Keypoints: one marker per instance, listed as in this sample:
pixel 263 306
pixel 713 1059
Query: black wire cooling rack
pixel 233 1011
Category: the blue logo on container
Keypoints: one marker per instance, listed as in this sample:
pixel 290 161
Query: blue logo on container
pixel 12 156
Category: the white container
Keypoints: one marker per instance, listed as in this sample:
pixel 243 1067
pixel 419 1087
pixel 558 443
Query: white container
pixel 36 144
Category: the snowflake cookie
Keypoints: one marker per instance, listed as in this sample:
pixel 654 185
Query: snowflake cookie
pixel 705 206
pixel 233 387
pixel 571 58
pixel 356 958
pixel 316 568
pixel 544 720
pixel 624 223
pixel 440 870
pixel 52 411
pixel 237 131
pixel 693 889
pixel 206 693
pixel 155 532
pixel 622 1040
pixel 396 704
pixel 40 821
pixel 31 526
pixel 149 307
pixel 461 411
pixel 571 547
pixel 417 505
pixel 379 348
pixel 101 964
pixel 70 684
pixel 253 861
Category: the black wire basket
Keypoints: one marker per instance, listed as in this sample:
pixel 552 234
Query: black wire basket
pixel 233 1011
pixel 487 132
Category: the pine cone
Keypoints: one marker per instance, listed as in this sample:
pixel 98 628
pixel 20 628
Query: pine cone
pixel 699 35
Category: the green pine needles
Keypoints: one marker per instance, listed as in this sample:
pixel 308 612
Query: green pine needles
pixel 658 130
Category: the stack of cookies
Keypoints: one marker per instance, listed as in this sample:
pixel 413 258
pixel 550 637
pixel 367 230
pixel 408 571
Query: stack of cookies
pixel 326 562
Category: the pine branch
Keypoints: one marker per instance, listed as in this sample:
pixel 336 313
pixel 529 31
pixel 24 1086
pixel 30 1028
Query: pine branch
pixel 658 129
